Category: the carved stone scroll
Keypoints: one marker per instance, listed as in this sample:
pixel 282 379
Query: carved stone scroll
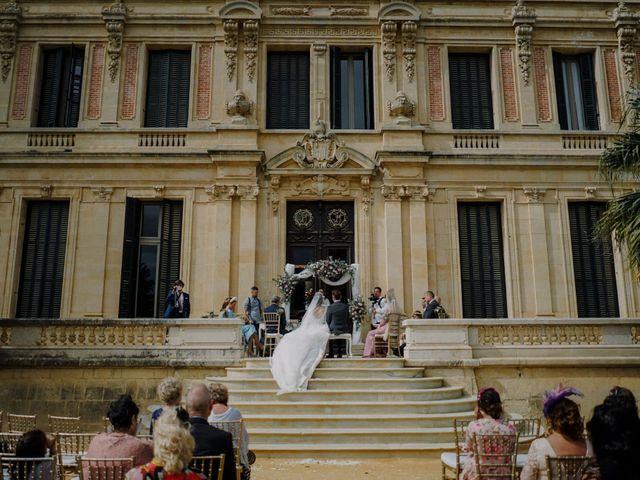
pixel 250 30
pixel 409 30
pixel 626 23
pixel 114 16
pixel 231 47
pixel 389 31
pixel 523 19
pixel 10 15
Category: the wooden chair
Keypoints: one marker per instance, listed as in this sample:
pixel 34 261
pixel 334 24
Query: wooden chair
pixel 452 462
pixel 571 467
pixel 207 465
pixel 386 343
pixel 70 446
pixel 528 429
pixel 8 442
pixel 272 334
pixel 63 424
pixel 104 468
pixel 21 423
pixel 43 468
pixel 495 456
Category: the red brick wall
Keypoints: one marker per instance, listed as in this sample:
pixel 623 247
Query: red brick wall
pixel 130 84
pixel 94 103
pixel 509 93
pixel 204 82
pixel 613 85
pixel 436 100
pixel 23 79
pixel 542 85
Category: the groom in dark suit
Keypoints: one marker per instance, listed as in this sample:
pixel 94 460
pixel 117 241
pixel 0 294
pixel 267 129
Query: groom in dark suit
pixel 338 321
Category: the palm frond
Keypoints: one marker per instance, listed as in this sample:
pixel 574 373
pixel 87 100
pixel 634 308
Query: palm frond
pixel 622 158
pixel 622 220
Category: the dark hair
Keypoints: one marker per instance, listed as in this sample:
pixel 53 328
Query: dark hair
pixel 122 411
pixel 623 398
pixel 490 403
pixel 179 282
pixel 32 444
pixel 377 288
pixel 254 288
pixel 565 418
pixel 337 294
pixel 226 303
pixel 430 292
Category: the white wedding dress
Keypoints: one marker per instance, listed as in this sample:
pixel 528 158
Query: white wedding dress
pixel 299 352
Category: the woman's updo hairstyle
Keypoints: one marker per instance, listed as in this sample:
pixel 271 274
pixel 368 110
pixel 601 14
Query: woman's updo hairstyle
pixel 565 418
pixel 489 402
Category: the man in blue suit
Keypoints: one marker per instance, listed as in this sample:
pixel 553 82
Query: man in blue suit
pixel 178 304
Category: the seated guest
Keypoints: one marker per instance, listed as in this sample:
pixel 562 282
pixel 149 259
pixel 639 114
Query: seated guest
pixel 276 308
pixel 488 422
pixel 209 440
pixel 170 393
pixel 566 436
pixel 614 431
pixel 34 444
pixel 251 340
pixel 122 442
pixel 172 452
pixel 221 412
pixel 390 307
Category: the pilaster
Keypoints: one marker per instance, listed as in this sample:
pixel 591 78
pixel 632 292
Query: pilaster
pixel 523 20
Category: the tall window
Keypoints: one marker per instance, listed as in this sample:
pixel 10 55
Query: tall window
pixel 470 82
pixel 481 260
pixel 288 90
pixel 168 89
pixel 150 256
pixel 351 89
pixel 576 91
pixel 60 87
pixel 43 251
pixel 593 267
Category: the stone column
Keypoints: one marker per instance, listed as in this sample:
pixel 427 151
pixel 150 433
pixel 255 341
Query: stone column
pixel 114 17
pixel 319 96
pixel 393 240
pixel 222 240
pixel 523 20
pixel 247 240
pixel 539 252
pixel 418 229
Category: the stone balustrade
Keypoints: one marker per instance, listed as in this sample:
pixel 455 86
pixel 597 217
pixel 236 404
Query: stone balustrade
pixel 120 342
pixel 531 341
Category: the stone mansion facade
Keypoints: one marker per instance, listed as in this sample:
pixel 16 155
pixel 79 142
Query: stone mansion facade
pixel 443 145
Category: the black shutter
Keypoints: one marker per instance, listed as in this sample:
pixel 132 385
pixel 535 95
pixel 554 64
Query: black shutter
pixel 74 87
pixel 129 259
pixel 481 260
pixel 593 265
pixel 52 65
pixel 588 84
pixel 43 253
pixel 470 86
pixel 560 96
pixel 177 100
pixel 368 88
pixel 288 90
pixel 157 89
pixel 336 97
pixel 170 248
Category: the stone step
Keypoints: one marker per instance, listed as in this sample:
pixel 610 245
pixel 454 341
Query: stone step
pixel 254 373
pixel 352 362
pixel 322 384
pixel 340 436
pixel 323 407
pixel 351 451
pixel 360 420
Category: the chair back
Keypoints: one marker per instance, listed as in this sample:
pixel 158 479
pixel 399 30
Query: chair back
pixel 74 443
pixel 63 424
pixel 569 467
pixel 528 428
pixel 42 468
pixel 21 423
pixel 235 428
pixel 104 468
pixel 272 323
pixel 495 456
pixel 8 442
pixel 211 466
pixel 393 330
pixel 145 436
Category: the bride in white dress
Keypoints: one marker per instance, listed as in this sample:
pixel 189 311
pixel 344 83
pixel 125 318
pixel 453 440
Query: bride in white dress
pixel 299 352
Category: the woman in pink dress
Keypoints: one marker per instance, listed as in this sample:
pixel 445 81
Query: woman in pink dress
pixel 390 307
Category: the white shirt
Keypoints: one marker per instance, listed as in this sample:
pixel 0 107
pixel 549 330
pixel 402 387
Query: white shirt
pixel 378 311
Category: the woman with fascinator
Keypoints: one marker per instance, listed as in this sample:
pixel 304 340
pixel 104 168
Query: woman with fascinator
pixel 566 433
pixel 489 414
pixel 299 352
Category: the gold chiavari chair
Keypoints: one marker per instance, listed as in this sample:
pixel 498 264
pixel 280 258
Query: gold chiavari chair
pixel 235 428
pixel 8 442
pixel 528 429
pixel 452 462
pixel 212 466
pixel 1 420
pixel 104 468
pixel 69 447
pixel 571 467
pixel 63 424
pixel 21 423
pixel 495 456
pixel 44 468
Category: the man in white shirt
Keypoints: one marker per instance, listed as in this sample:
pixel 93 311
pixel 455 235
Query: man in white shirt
pixel 378 303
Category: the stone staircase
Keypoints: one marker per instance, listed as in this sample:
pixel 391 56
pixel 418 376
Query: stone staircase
pixel 358 407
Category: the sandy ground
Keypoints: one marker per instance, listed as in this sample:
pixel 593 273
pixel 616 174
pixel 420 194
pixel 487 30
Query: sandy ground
pixel 369 469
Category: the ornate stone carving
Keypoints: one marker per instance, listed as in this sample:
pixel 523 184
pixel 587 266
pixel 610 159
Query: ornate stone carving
pixel 250 30
pixel 291 11
pixel 321 185
pixel 249 192
pixel 347 11
pixel 158 190
pixel 590 191
pixel 10 15
pixel 5 336
pixel 523 19
pixel 114 16
pixel 306 31
pixel 626 23
pixel 539 335
pixel 320 48
pixel 401 108
pixel 230 47
pixel 102 194
pixel 46 190
pixel 320 149
pixel 223 192
pixel 389 33
pixel 635 335
pixel 409 30
pixel 534 194
pixel 274 195
pixel 239 108
pixel 481 190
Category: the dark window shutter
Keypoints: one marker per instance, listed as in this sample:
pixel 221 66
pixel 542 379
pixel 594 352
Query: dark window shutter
pixel 157 84
pixel 368 88
pixel 52 65
pixel 129 259
pixel 336 98
pixel 43 253
pixel 74 87
pixel 481 260
pixel 470 86
pixel 170 248
pixel 593 265
pixel 288 90
pixel 178 88
pixel 588 84
pixel 560 96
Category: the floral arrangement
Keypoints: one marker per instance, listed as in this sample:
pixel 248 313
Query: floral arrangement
pixel 357 310
pixel 285 284
pixel 330 268
pixel 441 312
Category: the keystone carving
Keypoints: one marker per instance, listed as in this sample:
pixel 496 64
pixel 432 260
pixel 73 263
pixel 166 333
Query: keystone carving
pixel 239 108
pixel 402 108
pixel 320 149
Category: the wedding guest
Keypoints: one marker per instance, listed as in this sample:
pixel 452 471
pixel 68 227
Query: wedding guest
pixel 249 333
pixel 173 450
pixel 178 302
pixel 222 412
pixel 252 308
pixel 170 393
pixel 209 440
pixel 566 437
pixel 488 421
pixel 338 321
pixel 378 302
pixel 34 444
pixel 122 442
pixel 276 308
pixel 430 305
pixel 614 431
pixel 390 307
